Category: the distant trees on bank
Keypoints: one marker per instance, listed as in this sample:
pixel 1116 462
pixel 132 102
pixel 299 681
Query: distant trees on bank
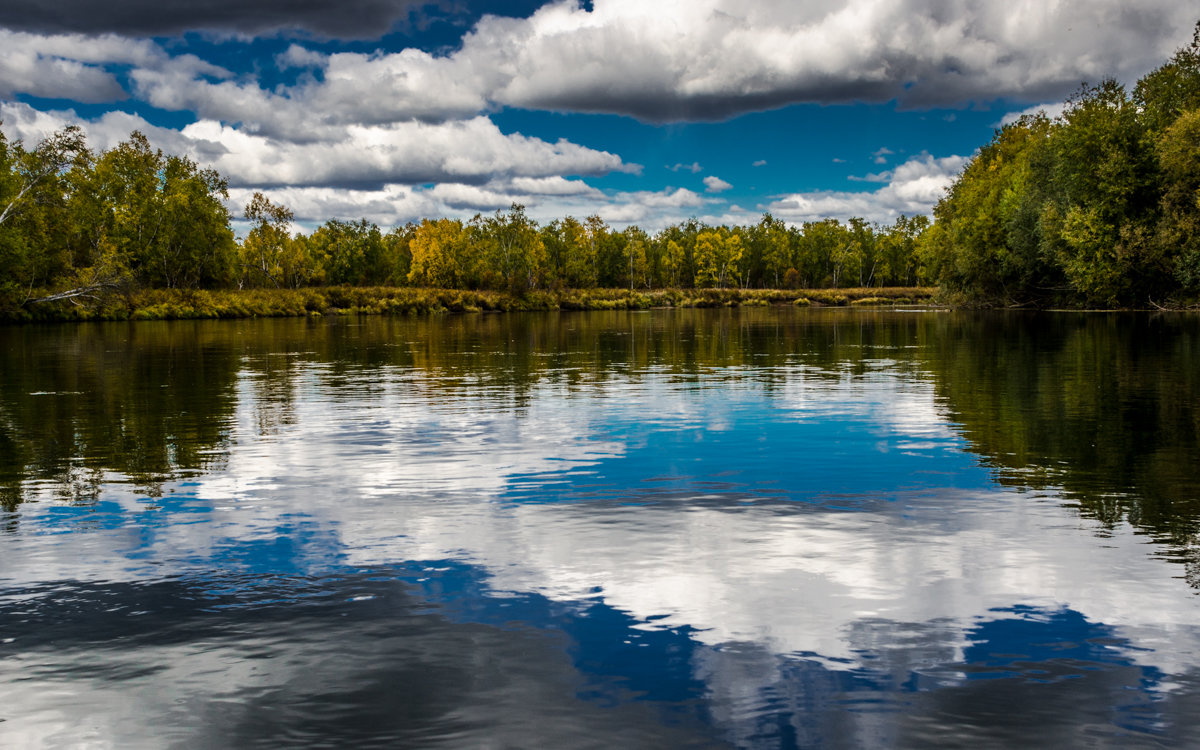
pixel 1098 207
pixel 76 224
pixel 508 251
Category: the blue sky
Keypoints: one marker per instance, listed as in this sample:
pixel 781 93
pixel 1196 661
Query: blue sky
pixel 647 113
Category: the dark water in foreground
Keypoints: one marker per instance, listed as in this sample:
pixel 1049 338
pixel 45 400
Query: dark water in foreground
pixel 756 528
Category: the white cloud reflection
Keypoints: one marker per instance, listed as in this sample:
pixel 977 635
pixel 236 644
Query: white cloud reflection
pixel 398 473
pixel 394 465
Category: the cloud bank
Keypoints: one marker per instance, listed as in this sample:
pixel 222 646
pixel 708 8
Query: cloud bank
pixel 343 19
pixel 674 61
pixel 471 151
pixel 375 122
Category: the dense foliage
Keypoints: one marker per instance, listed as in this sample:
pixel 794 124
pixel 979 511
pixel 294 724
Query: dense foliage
pixel 84 227
pixel 1098 207
pixel 74 224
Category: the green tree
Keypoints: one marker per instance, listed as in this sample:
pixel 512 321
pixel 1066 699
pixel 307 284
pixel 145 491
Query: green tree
pixel 194 246
pixel 397 245
pixel 22 172
pixel 579 253
pixel 1164 94
pixel 637 244
pixel 815 244
pixel 1105 191
pixel 864 259
pixel 1178 231
pixel 987 237
pixel 160 218
pixel 513 249
pixel 301 263
pixel 673 262
pixel 896 251
pixel 264 252
pixel 352 252
pixel 34 248
pixel 776 251
pixel 845 260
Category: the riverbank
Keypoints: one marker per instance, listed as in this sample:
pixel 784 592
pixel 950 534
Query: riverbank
pixel 177 304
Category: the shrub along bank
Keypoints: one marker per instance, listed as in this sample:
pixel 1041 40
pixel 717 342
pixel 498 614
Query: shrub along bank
pixel 177 304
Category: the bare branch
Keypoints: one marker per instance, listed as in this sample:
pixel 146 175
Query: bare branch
pixel 90 291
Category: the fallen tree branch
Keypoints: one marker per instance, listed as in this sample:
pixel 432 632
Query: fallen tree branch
pixel 90 291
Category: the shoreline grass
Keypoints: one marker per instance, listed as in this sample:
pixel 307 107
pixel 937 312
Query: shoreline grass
pixel 190 304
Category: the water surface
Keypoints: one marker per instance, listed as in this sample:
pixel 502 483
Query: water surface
pixel 700 528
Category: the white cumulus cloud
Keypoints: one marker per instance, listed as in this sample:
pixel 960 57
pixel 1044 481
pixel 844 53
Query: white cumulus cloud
pixel 911 188
pixel 468 151
pixel 714 184
pixel 669 61
pixel 1050 110
pixel 710 59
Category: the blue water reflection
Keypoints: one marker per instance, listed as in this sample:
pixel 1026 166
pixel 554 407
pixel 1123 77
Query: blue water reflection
pixel 758 450
pixel 388 555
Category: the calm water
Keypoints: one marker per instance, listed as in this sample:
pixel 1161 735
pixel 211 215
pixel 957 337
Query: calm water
pixel 759 528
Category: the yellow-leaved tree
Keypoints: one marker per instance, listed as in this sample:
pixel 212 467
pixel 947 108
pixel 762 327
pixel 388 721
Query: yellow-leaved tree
pixel 436 248
pixel 717 255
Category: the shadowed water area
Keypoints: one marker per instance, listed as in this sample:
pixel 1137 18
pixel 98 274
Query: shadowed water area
pixel 761 528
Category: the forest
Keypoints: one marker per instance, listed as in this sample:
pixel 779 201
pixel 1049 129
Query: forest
pixel 77 225
pixel 1098 207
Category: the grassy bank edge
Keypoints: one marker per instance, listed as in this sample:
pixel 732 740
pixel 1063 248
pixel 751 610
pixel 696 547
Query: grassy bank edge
pixel 177 304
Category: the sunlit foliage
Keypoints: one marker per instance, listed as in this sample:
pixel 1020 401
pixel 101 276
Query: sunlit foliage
pixel 1098 207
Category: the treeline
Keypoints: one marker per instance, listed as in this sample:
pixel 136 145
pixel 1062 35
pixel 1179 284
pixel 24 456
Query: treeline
pixel 1098 207
pixel 508 251
pixel 78 225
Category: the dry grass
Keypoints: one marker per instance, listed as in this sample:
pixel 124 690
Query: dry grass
pixel 173 304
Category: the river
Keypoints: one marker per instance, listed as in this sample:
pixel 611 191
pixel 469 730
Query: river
pixel 756 527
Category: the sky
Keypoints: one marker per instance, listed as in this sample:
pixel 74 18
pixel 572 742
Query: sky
pixel 644 113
